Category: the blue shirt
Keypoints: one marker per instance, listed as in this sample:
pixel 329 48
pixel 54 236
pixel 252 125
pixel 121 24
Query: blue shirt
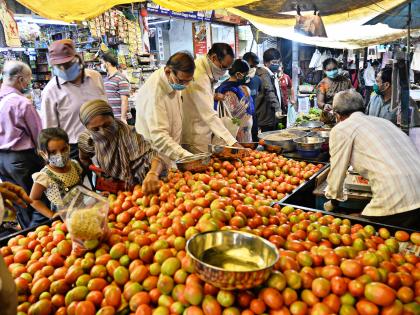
pixel 378 108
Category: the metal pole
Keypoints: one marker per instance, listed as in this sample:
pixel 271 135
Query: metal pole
pixel 409 30
pixel 295 68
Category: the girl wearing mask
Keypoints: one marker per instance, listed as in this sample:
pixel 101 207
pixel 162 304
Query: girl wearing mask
pixel 59 175
pixel 329 86
pixel 121 152
pixel 237 98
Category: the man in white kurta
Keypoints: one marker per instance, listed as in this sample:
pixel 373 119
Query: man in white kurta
pixel 159 106
pixel 200 120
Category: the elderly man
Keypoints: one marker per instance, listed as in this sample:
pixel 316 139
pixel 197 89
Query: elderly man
pixel 19 129
pixel 381 153
pixel 159 106
pixel 200 120
pixel 68 90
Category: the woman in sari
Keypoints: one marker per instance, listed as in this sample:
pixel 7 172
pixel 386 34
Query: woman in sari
pixel 237 99
pixel 329 86
pixel 121 152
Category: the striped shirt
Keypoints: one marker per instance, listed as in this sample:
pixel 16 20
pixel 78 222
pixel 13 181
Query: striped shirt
pixel 381 153
pixel 117 85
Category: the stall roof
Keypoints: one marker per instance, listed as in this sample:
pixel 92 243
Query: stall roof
pixel 397 17
pixel 344 21
pixel 80 10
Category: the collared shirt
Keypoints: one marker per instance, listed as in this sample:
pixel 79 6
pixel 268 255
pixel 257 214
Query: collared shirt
pixel 60 106
pixel 159 116
pixel 380 152
pixel 378 108
pixel 369 76
pixel 20 124
pixel 276 84
pixel 200 119
pixel 116 86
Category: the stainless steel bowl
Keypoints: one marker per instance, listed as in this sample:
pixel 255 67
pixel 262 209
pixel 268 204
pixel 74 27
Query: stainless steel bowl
pixel 312 124
pixel 287 145
pixel 194 163
pixel 309 143
pixel 226 152
pixel 232 260
pixel 325 134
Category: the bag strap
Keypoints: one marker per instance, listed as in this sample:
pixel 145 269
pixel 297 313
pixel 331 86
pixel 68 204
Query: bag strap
pixel 61 186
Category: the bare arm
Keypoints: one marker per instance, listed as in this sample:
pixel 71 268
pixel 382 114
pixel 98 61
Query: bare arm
pixel 124 108
pixel 151 182
pixel 321 99
pixel 36 195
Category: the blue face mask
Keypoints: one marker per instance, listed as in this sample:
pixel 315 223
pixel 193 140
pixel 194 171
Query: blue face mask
pixel 274 68
pixel 332 74
pixel 178 87
pixel 69 74
pixel 224 77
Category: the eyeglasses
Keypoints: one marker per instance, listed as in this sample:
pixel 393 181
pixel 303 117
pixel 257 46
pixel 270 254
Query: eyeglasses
pixel 183 82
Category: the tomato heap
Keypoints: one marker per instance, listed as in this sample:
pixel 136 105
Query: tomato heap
pixel 326 265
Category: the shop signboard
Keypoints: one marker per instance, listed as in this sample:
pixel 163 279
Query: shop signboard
pixel 10 27
pixel 205 16
pixel 199 38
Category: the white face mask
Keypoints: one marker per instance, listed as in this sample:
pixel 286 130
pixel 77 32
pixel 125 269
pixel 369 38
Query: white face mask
pixel 217 72
pixel 252 72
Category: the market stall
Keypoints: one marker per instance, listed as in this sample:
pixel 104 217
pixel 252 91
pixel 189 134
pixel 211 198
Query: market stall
pixel 319 263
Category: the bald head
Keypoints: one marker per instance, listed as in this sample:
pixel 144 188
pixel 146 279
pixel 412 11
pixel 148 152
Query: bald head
pixel 347 102
pixel 17 74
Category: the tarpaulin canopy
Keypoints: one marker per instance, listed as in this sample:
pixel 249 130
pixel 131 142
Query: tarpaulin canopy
pixel 80 10
pixel 343 21
pixel 398 17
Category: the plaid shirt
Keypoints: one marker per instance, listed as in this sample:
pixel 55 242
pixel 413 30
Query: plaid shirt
pixel 381 153
pixel 117 85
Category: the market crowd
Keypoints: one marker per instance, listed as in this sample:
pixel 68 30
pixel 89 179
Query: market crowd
pixel 181 109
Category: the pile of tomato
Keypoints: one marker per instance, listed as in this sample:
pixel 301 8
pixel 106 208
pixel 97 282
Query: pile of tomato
pixel 326 266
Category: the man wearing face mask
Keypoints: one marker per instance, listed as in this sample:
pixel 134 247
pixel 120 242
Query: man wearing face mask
pixel 200 120
pixel 380 102
pixel 268 102
pixel 159 106
pixel 19 129
pixel 71 86
pixel 254 85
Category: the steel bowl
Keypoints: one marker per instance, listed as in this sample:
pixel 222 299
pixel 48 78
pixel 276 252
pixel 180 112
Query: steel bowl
pixel 309 143
pixel 287 145
pixel 232 260
pixel 194 163
pixel 227 152
pixel 312 124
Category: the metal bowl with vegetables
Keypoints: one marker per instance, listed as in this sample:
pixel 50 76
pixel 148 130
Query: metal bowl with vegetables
pixel 282 138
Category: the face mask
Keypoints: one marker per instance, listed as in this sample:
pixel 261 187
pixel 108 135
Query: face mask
pixel 104 132
pixel 244 80
pixel 377 90
pixel 103 68
pixel 332 74
pixel 69 74
pixel 252 72
pixel 218 73
pixel 59 159
pixel 178 87
pixel 224 77
pixel 274 68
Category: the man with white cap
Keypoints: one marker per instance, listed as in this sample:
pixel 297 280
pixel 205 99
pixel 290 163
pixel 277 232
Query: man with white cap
pixel 71 87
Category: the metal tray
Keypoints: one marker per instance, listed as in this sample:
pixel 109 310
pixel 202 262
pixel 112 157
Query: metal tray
pixel 353 219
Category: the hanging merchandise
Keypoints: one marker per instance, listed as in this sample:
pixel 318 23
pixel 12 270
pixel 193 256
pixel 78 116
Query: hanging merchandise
pixel 10 28
pixel 415 63
pixel 315 59
pixel 310 25
pixel 325 55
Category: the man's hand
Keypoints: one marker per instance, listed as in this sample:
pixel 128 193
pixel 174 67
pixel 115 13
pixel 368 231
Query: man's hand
pixel 219 97
pixel 151 184
pixel 331 205
pixel 279 115
pixel 14 194
pixel 237 145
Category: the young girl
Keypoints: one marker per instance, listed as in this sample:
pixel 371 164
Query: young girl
pixel 59 175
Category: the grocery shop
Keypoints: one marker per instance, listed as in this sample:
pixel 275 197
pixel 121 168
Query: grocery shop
pixel 232 157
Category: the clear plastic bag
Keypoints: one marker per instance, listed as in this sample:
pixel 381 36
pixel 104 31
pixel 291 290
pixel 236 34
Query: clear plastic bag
pixel 86 216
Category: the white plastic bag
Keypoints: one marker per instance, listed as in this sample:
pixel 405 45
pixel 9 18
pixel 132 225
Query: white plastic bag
pixel 291 115
pixel 228 121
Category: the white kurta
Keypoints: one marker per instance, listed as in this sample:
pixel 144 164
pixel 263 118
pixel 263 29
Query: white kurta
pixel 200 119
pixel 159 116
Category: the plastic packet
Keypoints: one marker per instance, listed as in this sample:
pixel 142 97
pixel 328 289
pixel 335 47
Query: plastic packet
pixel 86 216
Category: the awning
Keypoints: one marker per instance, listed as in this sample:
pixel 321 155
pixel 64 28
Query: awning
pixel 80 10
pixel 343 21
pixel 398 17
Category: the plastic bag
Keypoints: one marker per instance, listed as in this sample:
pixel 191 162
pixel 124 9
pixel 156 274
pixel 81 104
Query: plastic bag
pixel 86 216
pixel 228 121
pixel 291 115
